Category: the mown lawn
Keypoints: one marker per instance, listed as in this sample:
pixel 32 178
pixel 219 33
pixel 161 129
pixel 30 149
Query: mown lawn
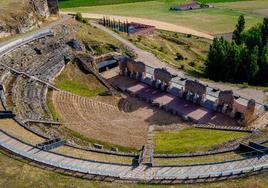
pixel 15 173
pixel 72 79
pixel 191 140
pixel 216 20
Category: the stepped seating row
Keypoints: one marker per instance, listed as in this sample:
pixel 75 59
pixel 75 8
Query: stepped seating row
pixel 101 121
pixel 42 58
pixel 28 97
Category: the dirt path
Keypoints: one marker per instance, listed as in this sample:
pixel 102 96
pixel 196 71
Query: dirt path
pixel 157 24
pixel 151 60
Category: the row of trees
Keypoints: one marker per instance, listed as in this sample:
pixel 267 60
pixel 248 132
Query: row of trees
pixel 245 59
pixel 120 26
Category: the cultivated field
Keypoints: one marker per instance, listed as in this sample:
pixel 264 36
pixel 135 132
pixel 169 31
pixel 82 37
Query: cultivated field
pixel 220 19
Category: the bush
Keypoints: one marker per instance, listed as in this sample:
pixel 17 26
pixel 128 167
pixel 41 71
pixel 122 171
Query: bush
pixel 192 64
pixel 79 17
pixel 245 85
pixel 179 56
pixel 161 49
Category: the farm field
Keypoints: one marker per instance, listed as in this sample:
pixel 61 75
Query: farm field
pixel 16 173
pixel 221 19
pixel 80 3
pixel 192 140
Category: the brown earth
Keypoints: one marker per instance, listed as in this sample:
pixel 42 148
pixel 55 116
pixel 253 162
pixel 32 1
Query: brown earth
pixel 107 123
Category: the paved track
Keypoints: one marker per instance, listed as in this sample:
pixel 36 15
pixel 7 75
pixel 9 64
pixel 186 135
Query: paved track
pixel 141 173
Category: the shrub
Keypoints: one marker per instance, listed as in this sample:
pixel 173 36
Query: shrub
pixel 245 85
pixel 192 64
pixel 179 56
pixel 161 49
pixel 79 17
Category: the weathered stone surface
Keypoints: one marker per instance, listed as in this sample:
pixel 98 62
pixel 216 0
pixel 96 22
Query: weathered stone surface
pixel 250 111
pixel 162 75
pixel 195 87
pixel 20 16
pixel 226 97
pixel 53 6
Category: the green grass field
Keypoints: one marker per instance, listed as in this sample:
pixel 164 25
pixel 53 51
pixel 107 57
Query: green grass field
pixel 81 3
pixel 72 79
pixel 221 19
pixel 191 140
pixel 15 173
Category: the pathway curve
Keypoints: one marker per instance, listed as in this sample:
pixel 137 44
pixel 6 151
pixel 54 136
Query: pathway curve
pixel 132 173
pixel 158 24
pixel 151 60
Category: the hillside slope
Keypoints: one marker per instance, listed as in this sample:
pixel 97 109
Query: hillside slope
pixel 18 16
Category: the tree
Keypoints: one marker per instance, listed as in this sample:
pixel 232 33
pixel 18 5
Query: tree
pixel 216 59
pixel 240 26
pixel 263 67
pixel 249 65
pixel 232 61
pixel 264 31
pixel 253 37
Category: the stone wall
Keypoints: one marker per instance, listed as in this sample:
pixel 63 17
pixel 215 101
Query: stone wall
pixel 53 7
pixel 19 16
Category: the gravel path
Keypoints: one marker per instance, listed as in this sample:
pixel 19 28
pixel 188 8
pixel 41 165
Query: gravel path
pixel 151 60
pixel 157 24
pixel 140 173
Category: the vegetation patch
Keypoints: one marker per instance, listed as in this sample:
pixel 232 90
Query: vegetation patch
pixel 82 3
pixel 185 52
pixel 198 160
pixel 74 80
pixel 220 19
pixel 245 60
pixel 85 3
pixel 51 107
pixel 17 173
pixel 192 140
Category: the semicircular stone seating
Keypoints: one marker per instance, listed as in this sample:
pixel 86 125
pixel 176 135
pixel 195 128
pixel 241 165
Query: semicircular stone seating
pixel 44 59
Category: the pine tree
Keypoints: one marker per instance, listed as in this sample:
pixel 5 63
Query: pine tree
pixel 264 30
pixel 237 34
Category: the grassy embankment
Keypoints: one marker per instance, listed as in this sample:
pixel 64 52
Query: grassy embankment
pixel 16 173
pixel 74 80
pixel 221 19
pixel 182 51
pixel 192 140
